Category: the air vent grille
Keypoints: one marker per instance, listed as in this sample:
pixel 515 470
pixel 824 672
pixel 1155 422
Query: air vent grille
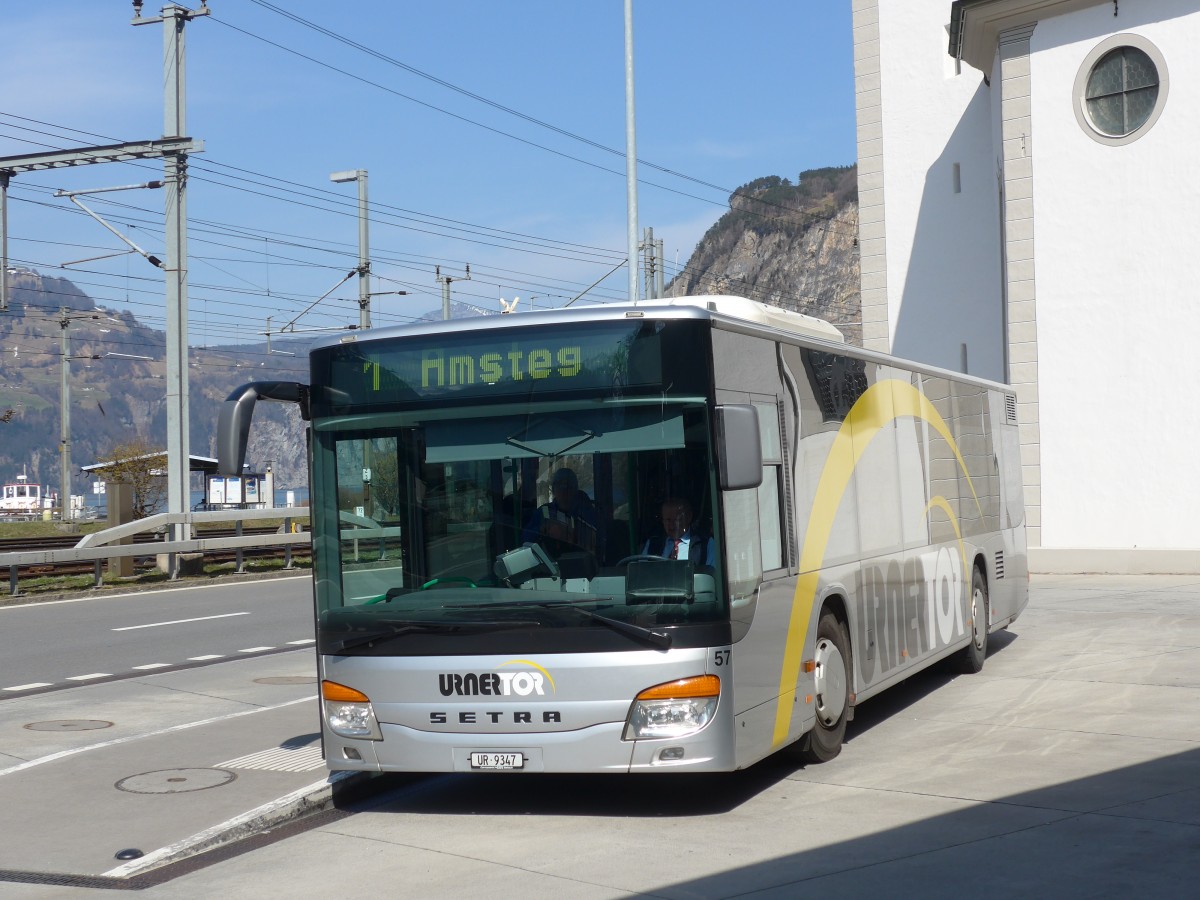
pixel 1010 408
pixel 999 564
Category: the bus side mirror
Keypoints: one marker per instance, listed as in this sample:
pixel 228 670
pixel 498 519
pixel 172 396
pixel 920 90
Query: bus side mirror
pixel 233 423
pixel 739 448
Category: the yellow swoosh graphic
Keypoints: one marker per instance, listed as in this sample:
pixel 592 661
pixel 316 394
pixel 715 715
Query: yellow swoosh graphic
pixel 879 405
pixel 944 505
pixel 533 665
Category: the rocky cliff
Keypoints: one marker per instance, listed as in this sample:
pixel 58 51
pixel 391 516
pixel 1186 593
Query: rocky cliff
pixel 789 245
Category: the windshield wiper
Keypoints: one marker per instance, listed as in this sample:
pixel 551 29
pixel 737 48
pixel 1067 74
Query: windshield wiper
pixel 386 631
pixel 659 639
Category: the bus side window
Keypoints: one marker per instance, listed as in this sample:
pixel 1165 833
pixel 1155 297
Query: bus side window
pixel 770 492
pixel 743 545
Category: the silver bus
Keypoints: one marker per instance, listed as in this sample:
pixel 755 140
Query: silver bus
pixel 667 536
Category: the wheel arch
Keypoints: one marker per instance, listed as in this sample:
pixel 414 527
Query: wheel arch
pixel 980 565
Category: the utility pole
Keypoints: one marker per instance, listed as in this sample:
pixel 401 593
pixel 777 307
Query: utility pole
pixel 4 177
pixel 648 251
pixel 630 156
pixel 364 252
pixel 445 281
pixel 174 18
pixel 658 269
pixel 172 148
pixel 64 434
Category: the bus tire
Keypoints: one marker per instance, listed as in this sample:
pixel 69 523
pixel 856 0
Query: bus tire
pixel 824 741
pixel 970 659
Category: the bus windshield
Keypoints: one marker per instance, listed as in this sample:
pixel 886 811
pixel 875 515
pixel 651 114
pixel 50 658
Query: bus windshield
pixel 579 525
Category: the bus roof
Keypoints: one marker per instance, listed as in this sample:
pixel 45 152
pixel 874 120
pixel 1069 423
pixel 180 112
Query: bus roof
pixel 754 311
pixel 723 305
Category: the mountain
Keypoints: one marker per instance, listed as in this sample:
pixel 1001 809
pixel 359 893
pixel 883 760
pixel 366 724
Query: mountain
pixel 788 245
pixel 114 397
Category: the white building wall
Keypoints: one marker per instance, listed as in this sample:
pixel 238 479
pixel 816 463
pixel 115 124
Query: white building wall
pixel 943 246
pixel 1102 247
pixel 1117 315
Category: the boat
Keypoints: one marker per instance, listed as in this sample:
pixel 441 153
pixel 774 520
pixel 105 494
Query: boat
pixel 24 498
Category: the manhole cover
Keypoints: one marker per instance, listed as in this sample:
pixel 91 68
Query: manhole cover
pixel 69 725
pixel 286 679
pixel 175 781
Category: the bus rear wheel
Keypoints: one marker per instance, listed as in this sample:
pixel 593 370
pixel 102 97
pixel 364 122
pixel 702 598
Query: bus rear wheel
pixel 824 741
pixel 970 659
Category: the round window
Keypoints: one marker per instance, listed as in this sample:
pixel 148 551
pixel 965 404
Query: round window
pixel 1120 89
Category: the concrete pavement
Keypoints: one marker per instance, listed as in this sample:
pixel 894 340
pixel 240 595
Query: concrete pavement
pixel 1070 767
pixel 163 764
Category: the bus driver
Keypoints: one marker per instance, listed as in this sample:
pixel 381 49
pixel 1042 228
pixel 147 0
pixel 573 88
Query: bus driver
pixel 678 540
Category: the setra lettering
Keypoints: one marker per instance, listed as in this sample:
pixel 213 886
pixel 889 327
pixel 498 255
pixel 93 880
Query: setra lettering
pixel 518 717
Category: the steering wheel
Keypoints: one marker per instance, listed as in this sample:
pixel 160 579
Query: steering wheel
pixel 449 579
pixel 640 556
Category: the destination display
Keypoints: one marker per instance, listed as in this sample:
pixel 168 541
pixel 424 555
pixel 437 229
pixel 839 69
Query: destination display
pixel 505 362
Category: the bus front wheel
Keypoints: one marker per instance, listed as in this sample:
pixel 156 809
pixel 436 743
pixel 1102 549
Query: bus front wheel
pixel 824 741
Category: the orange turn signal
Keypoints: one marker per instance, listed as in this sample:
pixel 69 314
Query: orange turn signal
pixel 339 693
pixel 697 686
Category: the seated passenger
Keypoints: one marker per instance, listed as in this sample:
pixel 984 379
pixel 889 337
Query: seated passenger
pixel 569 522
pixel 678 540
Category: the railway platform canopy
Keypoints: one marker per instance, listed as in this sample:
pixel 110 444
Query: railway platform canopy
pixel 158 464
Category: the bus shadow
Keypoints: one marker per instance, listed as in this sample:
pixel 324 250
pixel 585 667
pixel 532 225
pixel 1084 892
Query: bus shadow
pixel 623 796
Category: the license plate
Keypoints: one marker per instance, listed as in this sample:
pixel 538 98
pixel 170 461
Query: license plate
pixel 497 761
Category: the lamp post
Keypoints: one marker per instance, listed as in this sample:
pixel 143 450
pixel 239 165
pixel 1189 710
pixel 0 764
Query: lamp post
pixel 364 259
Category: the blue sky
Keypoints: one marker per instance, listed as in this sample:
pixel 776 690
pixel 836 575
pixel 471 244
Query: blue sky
pixel 725 92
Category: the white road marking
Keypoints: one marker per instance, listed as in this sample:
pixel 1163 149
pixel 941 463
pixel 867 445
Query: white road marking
pixel 181 621
pixel 279 759
pixel 63 754
pixel 107 597
pixel 41 684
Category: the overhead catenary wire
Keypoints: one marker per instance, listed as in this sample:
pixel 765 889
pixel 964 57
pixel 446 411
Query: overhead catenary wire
pixel 243 234
pixel 338 200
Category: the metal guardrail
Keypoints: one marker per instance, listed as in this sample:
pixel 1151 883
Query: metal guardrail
pixel 100 545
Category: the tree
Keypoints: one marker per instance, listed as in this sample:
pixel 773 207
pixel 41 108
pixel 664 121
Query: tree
pixel 138 463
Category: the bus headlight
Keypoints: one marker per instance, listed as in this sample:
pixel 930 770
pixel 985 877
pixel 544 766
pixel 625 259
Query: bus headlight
pixel 348 712
pixel 674 709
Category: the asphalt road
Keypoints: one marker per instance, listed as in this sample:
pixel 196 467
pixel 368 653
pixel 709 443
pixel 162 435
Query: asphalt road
pixel 1068 768
pixel 62 644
